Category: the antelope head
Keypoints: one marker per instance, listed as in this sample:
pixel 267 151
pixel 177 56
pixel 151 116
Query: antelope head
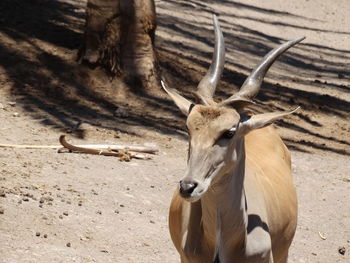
pixel 216 129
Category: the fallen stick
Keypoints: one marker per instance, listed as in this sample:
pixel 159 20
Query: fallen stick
pixel 112 147
pixel 124 154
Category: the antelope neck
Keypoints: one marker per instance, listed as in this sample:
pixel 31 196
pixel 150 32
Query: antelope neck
pixel 224 206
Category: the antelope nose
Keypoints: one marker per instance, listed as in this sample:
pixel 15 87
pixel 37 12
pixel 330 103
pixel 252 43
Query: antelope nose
pixel 187 188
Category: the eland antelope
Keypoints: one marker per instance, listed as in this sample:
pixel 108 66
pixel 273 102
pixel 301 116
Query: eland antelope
pixel 237 201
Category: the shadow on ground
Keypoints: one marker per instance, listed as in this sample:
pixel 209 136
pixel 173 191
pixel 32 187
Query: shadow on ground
pixel 39 40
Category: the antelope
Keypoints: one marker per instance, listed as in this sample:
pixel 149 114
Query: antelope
pixel 237 201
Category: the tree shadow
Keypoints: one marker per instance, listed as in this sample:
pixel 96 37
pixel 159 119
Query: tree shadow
pixel 39 39
pixel 312 68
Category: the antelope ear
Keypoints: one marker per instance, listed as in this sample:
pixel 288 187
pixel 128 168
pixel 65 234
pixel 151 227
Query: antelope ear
pixel 261 120
pixel 181 102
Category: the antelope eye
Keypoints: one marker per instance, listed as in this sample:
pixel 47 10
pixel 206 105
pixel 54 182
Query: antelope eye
pixel 229 133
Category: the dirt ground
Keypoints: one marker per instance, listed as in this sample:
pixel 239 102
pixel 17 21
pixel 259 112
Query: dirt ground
pixel 65 207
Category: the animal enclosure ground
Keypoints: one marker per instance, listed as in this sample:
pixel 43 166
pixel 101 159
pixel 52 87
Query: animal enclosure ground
pixel 82 208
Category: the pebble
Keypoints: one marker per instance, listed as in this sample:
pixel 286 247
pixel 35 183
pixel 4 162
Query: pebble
pixel 342 250
pixel 65 213
pixel 60 217
pixel 99 212
pixel 12 103
pixel 152 222
pixel 2 211
pixel 68 244
pixel 121 113
pixel 45 235
pixel 15 114
pixel 37 234
pixel 25 199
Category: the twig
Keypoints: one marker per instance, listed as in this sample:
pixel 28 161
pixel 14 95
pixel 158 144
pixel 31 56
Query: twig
pixel 30 146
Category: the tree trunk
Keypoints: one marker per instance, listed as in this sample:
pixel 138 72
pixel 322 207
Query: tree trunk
pixel 119 36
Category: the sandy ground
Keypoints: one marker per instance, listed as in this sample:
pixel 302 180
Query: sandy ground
pixel 81 208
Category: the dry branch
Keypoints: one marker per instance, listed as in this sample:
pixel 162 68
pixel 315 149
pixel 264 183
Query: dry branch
pixel 112 147
pixel 124 153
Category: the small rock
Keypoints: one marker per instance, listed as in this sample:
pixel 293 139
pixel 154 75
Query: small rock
pixel 341 76
pixel 152 222
pixel 121 113
pixel 25 199
pixel 342 250
pixel 68 244
pixel 42 200
pixel 65 213
pixel 80 203
pixel 99 212
pixel 45 235
pixel 121 205
pixel 2 193
pixel 116 211
pixel 15 114
pixel 41 205
pixel 37 234
pixel 104 251
pixel 12 103
pixel 60 216
pixel 2 211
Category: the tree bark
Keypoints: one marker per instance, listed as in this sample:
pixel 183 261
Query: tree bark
pixel 119 36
